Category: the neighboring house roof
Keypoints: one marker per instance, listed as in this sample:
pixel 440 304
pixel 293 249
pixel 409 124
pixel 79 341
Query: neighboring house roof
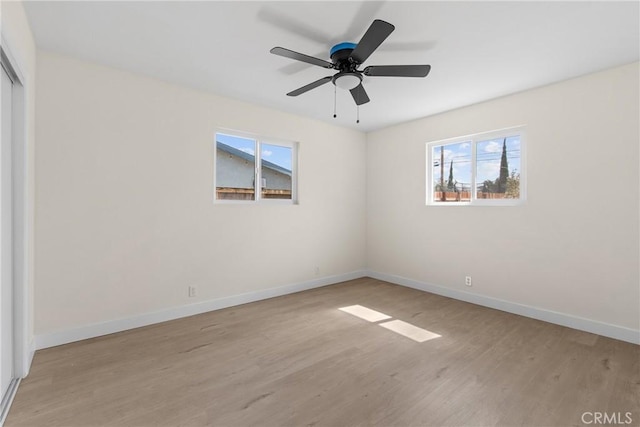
pixel 249 157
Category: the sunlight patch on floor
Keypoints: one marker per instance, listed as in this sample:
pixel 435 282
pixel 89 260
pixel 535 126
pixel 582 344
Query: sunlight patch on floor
pixel 398 326
pixel 365 313
pixel 410 331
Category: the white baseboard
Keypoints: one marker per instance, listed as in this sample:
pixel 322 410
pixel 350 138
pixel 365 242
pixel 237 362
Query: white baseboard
pixel 574 322
pixel 112 326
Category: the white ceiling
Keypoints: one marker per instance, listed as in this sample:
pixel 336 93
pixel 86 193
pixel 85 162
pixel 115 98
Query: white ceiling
pixel 477 50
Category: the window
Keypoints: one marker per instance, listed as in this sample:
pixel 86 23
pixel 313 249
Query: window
pixel 238 176
pixel 484 169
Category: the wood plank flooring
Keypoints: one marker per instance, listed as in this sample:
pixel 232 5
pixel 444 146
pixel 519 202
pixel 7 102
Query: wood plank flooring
pixel 297 360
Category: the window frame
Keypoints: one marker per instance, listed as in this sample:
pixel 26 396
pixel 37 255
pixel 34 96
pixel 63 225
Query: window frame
pixel 474 139
pixel 259 140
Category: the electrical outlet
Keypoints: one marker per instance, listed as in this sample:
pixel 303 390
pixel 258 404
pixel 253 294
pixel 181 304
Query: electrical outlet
pixel 467 280
pixel 192 291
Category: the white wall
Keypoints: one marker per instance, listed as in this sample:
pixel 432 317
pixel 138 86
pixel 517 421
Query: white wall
pixel 125 219
pixel 18 40
pixel 572 248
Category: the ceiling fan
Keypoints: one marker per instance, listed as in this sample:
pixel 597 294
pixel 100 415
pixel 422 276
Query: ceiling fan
pixel 347 57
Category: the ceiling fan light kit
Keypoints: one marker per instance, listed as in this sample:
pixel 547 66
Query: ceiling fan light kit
pixel 346 57
pixel 347 81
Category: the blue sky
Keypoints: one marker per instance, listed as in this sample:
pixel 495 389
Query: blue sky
pixel 488 154
pixel 279 155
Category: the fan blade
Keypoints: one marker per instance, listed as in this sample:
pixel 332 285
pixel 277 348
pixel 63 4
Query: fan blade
pixel 359 95
pixel 375 35
pixel 300 57
pixel 397 70
pixel 297 66
pixel 310 86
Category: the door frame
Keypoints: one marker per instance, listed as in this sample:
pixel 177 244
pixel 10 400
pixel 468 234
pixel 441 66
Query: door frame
pixel 22 336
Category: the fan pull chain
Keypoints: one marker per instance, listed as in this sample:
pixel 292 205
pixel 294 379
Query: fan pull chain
pixel 334 101
pixel 358 108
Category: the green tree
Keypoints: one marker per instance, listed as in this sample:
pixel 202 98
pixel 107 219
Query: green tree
pixel 488 186
pixel 504 170
pixel 513 185
pixel 450 182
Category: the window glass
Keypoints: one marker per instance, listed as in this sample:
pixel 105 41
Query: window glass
pixel 235 167
pixel 452 172
pixel 249 169
pixel 276 171
pixel 498 168
pixel 482 169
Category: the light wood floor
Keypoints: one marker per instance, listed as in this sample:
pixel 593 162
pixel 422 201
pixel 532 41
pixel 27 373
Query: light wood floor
pixel 299 361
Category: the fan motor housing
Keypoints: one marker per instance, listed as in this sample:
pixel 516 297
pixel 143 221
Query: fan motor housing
pixel 340 56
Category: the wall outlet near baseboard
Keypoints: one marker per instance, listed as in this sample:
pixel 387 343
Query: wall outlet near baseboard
pixel 467 280
pixel 192 291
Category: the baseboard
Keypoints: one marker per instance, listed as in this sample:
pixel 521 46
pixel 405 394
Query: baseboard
pixel 574 322
pixel 112 326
